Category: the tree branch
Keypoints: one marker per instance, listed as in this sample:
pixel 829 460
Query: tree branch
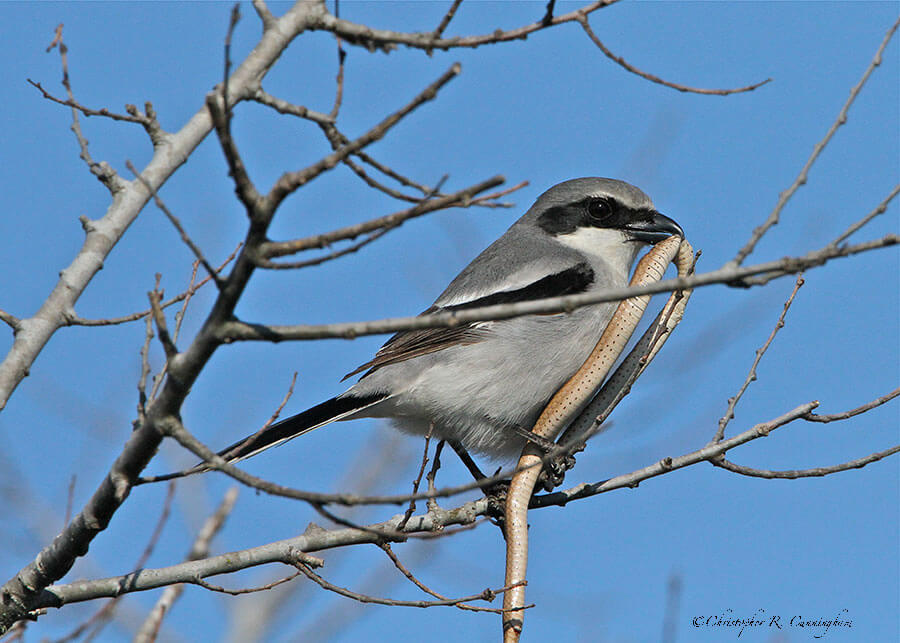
pixel 236 330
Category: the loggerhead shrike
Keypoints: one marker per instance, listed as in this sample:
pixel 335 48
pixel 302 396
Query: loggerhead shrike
pixel 476 383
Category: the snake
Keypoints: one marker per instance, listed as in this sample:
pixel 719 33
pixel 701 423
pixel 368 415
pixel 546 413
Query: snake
pixel 568 403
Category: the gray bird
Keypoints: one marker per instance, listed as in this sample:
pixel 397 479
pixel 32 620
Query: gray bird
pixel 476 383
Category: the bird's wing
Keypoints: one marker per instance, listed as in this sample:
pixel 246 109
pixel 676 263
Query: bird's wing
pixel 413 343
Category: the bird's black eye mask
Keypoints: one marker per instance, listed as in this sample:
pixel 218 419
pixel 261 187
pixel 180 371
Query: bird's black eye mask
pixel 596 212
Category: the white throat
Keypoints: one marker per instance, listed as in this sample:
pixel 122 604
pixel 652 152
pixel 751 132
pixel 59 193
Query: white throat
pixel 604 246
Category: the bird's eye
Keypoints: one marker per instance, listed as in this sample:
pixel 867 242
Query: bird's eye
pixel 600 211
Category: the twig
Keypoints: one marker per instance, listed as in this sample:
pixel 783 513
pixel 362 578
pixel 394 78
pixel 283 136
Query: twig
pixel 881 208
pixel 439 30
pixel 75 320
pixel 331 256
pixel 11 320
pixel 386 40
pixel 162 329
pixel 339 81
pixel 410 510
pixel 386 548
pixel 104 173
pixel 633 479
pixel 237 330
pixel 247 590
pixel 244 188
pixel 175 222
pixel 145 369
pixel 102 616
pixel 785 196
pixel 793 474
pixel 199 549
pixel 813 417
pixel 460 198
pixel 284 107
pixel 487 595
pixel 290 181
pixel 583 21
pixel 233 20
pixel 751 375
pixel 179 315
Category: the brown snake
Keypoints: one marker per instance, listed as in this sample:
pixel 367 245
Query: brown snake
pixel 572 399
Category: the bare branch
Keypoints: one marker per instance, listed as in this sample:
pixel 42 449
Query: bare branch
pixel 487 595
pixel 445 21
pixel 75 320
pixel 283 107
pixel 793 474
pixel 199 549
pixel 293 180
pixel 881 208
pixel 244 188
pixel 11 320
pixel 339 81
pixel 104 173
pixel 785 196
pixel 175 222
pixel 162 329
pixel 633 479
pixel 813 417
pixel 103 234
pixel 386 40
pixel 411 509
pixel 247 590
pixel 235 330
pixel 751 375
pixel 461 198
pixel 583 21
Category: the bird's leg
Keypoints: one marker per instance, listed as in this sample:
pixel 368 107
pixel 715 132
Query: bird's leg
pixel 495 492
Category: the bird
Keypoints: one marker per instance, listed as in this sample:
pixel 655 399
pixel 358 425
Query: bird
pixel 479 384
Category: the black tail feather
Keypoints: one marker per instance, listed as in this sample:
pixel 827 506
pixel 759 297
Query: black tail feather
pixel 328 411
pixel 337 408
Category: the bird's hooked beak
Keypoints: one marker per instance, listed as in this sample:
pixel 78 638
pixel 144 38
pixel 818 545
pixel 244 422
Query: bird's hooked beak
pixel 654 228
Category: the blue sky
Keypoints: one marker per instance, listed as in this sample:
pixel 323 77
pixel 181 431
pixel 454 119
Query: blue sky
pixel 542 110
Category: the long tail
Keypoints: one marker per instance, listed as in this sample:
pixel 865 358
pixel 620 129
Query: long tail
pixel 337 408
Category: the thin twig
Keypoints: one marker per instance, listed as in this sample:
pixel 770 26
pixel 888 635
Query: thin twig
pixel 813 417
pixel 583 21
pixel 162 329
pixel 881 208
pixel 198 254
pixel 460 198
pixel 815 472
pixel 247 590
pixel 439 30
pixel 339 81
pixel 410 510
pixel 75 320
pixel 290 181
pixel 386 548
pixel 386 40
pixel 284 107
pixel 751 375
pixel 199 549
pixel 104 173
pixel 487 595
pixel 11 320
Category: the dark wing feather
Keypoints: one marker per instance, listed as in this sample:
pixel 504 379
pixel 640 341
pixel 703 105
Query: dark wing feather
pixel 413 343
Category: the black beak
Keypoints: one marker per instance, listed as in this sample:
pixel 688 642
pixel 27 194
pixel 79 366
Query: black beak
pixel 653 228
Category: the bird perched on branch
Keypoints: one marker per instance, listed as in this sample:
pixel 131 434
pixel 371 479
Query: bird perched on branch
pixel 476 383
